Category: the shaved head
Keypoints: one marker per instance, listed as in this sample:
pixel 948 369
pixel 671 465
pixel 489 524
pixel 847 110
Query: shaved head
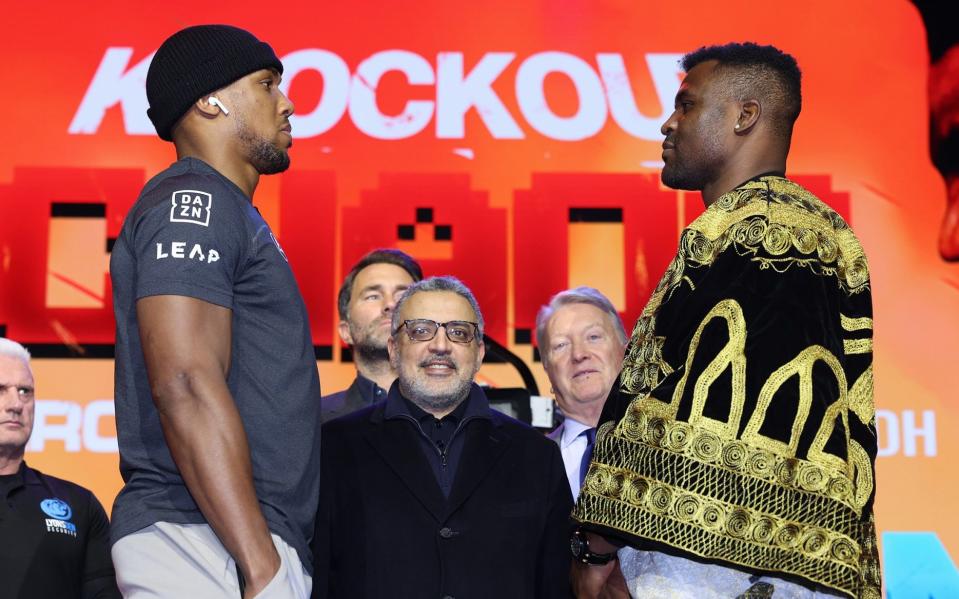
pixel 764 73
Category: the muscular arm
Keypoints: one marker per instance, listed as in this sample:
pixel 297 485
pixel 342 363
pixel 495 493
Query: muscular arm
pixel 186 344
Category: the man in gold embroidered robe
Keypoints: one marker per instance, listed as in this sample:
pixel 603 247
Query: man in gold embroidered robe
pixel 735 456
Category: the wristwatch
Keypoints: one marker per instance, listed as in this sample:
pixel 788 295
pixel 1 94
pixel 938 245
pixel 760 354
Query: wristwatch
pixel 579 546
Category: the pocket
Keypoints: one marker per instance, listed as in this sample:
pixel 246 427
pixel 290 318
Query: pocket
pixel 278 587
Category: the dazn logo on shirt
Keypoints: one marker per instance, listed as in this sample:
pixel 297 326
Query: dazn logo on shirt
pixel 191 206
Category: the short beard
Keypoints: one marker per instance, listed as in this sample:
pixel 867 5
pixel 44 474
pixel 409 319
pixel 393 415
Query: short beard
pixel 434 403
pixel 372 353
pixel 265 157
pixel 678 177
pixel 698 170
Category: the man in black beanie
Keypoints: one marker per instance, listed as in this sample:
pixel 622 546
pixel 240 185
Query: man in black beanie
pixel 217 393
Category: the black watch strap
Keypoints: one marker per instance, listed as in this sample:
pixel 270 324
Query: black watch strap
pixel 579 547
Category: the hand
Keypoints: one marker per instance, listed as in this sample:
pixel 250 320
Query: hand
pixel 589 581
pixel 599 581
pixel 260 575
pixel 615 587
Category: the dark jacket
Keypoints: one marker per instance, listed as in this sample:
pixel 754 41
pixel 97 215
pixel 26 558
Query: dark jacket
pixel 384 528
pixel 360 394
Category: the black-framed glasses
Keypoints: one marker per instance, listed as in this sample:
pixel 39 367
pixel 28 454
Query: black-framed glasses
pixel 423 329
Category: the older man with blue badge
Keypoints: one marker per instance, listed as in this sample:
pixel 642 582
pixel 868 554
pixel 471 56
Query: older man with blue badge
pixel 54 534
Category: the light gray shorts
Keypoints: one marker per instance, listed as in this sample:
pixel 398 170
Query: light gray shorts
pixel 187 560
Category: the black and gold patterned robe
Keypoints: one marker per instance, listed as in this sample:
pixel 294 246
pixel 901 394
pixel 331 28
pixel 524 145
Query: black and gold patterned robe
pixel 742 429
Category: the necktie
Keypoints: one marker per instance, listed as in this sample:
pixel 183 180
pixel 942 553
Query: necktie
pixel 590 435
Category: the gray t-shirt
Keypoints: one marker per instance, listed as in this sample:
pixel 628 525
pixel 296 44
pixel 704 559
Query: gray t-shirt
pixel 193 233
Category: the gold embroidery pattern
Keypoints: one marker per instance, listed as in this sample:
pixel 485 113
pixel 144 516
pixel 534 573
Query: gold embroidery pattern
pixel 731 356
pixel 857 346
pixel 643 429
pixel 644 362
pixel 860 398
pixel 855 324
pixel 809 535
pixel 870 577
pixel 802 366
pixel 861 392
pixel 667 513
pixel 747 499
pixel 862 473
pixel 766 231
pixel 764 220
pixel 731 535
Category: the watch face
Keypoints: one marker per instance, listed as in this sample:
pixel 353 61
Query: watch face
pixel 576 545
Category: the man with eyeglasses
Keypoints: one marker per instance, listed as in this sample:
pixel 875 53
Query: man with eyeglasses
pixel 431 493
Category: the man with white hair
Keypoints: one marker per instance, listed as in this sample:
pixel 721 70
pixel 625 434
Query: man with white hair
pixel 581 341
pixel 55 534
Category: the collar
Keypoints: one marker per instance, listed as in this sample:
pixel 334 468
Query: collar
pixel 369 390
pixel 199 164
pixel 22 477
pixel 753 183
pixel 572 429
pixel 761 176
pixel 474 406
pixel 425 417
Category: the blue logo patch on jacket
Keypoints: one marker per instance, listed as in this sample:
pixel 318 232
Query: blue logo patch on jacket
pixel 56 508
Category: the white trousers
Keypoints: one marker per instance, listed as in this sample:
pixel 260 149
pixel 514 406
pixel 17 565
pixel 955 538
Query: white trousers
pixel 187 560
pixel 660 576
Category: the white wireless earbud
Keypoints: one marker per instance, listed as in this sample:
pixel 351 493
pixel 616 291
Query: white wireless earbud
pixel 214 101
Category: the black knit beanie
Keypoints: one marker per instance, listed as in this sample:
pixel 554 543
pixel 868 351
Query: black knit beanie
pixel 196 61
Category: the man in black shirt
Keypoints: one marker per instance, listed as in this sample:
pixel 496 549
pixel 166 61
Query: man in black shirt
pixel 431 493
pixel 366 302
pixel 54 535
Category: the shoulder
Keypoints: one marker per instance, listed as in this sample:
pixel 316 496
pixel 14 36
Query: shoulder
pixel 351 422
pixel 332 405
pixel 520 431
pixel 332 398
pixel 191 193
pixel 75 496
pixel 776 223
pixel 185 174
pixel 346 436
pixel 557 433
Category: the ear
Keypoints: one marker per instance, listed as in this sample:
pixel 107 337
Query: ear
pixel 206 109
pixel 391 350
pixel 749 113
pixel 344 330
pixel 480 354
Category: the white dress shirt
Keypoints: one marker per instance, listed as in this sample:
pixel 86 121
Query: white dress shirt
pixel 572 445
